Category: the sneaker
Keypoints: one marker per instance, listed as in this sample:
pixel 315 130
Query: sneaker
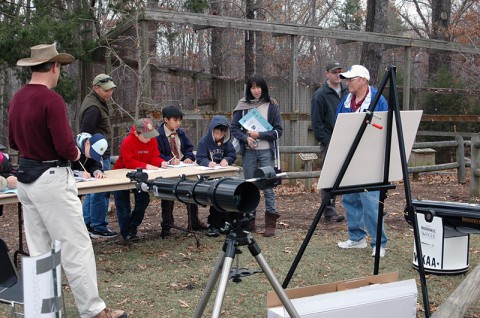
pixel 103 234
pixel 212 232
pixel 109 313
pixel 353 244
pixel 382 251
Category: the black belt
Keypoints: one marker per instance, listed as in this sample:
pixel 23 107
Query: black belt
pixel 56 163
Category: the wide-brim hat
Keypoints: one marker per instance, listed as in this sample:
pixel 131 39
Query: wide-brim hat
pixel 44 53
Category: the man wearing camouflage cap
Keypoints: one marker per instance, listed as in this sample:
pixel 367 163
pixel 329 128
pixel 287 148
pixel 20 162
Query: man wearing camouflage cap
pixel 95 119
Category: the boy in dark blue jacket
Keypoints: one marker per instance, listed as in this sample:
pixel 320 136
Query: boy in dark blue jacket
pixel 175 146
pixel 216 149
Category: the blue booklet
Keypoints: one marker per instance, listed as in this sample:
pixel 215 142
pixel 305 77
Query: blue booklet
pixel 253 120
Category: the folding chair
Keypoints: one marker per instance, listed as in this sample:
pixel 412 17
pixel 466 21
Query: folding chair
pixel 11 285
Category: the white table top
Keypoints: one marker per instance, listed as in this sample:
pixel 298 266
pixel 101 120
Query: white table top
pixel 117 179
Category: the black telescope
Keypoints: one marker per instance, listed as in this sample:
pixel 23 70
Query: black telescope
pixel 226 194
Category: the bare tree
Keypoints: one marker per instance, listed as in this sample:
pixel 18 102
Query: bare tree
pixel 377 21
pixel 441 12
pixel 249 41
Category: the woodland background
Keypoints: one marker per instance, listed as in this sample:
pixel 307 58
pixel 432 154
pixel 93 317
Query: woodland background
pixel 189 62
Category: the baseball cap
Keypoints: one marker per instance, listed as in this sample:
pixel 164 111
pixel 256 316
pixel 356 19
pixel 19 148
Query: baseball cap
pixel 104 81
pixel 145 126
pixel 356 71
pixel 333 66
pixel 98 146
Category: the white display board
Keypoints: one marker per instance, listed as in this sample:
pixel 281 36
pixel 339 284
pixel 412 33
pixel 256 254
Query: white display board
pixel 393 300
pixel 367 163
pixel 38 284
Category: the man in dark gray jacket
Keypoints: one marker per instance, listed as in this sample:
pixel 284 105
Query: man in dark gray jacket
pixel 323 107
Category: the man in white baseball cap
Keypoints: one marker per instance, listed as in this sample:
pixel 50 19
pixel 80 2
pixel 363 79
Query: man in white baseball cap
pixel 361 208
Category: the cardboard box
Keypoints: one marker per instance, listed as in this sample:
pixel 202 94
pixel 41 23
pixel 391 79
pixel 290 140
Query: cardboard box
pixel 369 297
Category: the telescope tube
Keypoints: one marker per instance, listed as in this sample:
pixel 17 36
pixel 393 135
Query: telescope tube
pixel 225 194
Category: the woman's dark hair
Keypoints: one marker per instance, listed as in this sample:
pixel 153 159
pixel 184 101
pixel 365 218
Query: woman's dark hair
pixel 172 111
pixel 258 81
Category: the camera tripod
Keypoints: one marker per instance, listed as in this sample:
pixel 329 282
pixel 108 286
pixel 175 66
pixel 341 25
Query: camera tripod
pixel 235 238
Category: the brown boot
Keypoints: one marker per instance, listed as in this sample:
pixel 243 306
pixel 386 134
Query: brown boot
pixel 109 313
pixel 270 224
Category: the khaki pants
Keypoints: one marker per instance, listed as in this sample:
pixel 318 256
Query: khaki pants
pixel 52 211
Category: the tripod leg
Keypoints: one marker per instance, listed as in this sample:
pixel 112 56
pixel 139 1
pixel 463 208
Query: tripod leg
pixel 222 285
pixel 212 280
pixel 276 286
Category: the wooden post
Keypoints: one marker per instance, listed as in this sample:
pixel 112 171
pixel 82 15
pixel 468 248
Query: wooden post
pixel 408 77
pixel 293 95
pixel 460 156
pixel 475 167
pixel 466 295
pixel 308 159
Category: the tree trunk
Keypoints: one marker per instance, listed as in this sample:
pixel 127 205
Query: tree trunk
pixel 216 51
pixel 372 53
pixel 260 52
pixel 441 11
pixel 249 42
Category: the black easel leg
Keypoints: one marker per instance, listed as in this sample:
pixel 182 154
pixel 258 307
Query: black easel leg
pixel 376 266
pixel 309 235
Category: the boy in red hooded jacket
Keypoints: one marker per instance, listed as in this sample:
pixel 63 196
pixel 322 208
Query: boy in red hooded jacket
pixel 138 150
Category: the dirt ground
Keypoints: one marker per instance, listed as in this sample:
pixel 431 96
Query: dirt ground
pixel 296 205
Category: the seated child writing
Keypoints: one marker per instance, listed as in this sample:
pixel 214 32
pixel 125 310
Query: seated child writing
pixel 138 150
pixel 90 163
pixel 213 149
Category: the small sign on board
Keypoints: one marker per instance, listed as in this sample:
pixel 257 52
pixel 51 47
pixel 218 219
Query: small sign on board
pixel 308 156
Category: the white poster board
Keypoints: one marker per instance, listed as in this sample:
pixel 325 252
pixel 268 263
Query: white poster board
pixel 38 284
pixel 367 163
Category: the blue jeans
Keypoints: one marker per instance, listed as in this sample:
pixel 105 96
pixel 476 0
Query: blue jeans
pixel 95 206
pixel 362 213
pixel 129 220
pixel 253 159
